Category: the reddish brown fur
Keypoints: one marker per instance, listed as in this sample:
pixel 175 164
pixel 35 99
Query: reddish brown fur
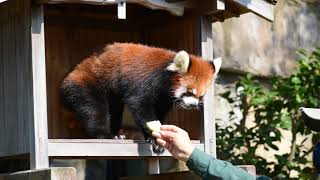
pixel 137 62
pixel 132 60
pixel 199 76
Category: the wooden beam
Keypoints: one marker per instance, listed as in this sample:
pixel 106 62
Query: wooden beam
pixel 86 148
pixel 210 6
pixel 209 132
pixel 38 127
pixel 176 9
pixel 259 7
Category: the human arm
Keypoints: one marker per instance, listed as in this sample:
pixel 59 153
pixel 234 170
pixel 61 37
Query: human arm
pixel 177 141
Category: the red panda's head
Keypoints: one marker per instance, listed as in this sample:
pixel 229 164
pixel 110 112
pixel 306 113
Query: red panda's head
pixel 193 78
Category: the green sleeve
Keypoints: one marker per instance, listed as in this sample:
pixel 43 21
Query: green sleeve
pixel 208 167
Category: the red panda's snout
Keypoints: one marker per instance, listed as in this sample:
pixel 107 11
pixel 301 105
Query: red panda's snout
pixel 187 98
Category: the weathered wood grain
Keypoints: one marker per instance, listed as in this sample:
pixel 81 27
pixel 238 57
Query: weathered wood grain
pixel 23 72
pixel 14 99
pixel 39 130
pixel 2 122
pixel 28 73
pixel 209 133
pixel 10 81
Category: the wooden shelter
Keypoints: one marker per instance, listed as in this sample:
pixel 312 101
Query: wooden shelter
pixel 41 40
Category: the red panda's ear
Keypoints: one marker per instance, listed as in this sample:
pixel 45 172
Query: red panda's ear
pixel 180 63
pixel 217 65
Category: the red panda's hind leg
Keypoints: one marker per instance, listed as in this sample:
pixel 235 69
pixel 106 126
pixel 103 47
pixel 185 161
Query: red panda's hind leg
pixel 91 111
pixel 116 110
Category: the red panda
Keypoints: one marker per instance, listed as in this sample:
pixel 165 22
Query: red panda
pixel 148 80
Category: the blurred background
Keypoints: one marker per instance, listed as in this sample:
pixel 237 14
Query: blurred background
pixel 263 82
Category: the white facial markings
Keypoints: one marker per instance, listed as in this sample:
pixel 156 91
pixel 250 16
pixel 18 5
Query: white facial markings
pixel 180 91
pixel 189 100
pixel 194 91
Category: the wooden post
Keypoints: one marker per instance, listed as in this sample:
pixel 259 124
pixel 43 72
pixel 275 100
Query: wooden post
pixel 209 132
pixel 38 127
pixel 154 166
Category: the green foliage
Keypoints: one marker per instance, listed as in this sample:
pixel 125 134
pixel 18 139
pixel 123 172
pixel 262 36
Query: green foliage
pixel 274 108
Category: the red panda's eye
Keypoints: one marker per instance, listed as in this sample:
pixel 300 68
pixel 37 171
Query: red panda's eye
pixel 188 93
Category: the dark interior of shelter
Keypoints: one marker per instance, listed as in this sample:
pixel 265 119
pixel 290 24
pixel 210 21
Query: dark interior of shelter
pixel 74 31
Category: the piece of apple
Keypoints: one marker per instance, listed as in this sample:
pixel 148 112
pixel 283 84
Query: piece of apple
pixel 154 125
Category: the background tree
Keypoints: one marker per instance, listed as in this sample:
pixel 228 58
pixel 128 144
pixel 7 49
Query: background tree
pixel 274 108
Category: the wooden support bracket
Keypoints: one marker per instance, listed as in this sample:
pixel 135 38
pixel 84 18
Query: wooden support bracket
pixel 259 7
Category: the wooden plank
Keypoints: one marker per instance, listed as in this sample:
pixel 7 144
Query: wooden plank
pixel 22 76
pixel 209 135
pixel 39 130
pixel 28 74
pixel 154 166
pixel 2 122
pixel 86 148
pixel 13 137
pixel 259 7
pixel 176 9
pixel 67 173
pixel 10 77
pixel 5 55
pixel 18 56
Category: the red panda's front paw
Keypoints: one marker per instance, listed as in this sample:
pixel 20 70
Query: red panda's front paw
pixel 156 148
pixel 121 136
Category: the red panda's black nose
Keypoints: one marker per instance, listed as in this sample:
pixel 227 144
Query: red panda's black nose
pixel 193 105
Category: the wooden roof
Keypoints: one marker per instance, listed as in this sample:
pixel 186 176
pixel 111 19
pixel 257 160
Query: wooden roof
pixel 218 9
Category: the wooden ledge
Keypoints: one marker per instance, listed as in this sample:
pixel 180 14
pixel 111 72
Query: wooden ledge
pixel 104 148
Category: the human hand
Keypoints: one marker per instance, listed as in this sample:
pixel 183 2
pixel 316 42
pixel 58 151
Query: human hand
pixel 175 140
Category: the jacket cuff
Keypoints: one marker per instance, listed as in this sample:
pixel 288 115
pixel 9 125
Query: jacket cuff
pixel 198 163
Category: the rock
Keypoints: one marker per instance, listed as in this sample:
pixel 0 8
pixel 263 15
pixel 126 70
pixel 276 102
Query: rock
pixel 252 44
